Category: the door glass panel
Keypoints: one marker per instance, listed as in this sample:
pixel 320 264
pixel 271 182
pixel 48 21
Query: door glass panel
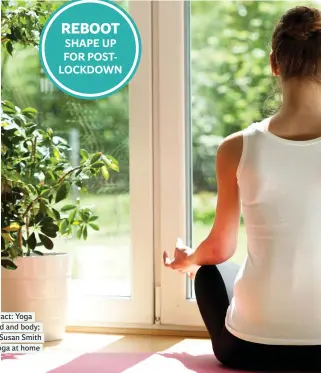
pixel 230 87
pixel 102 263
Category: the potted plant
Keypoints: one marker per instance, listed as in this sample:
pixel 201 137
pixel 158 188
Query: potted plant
pixel 36 180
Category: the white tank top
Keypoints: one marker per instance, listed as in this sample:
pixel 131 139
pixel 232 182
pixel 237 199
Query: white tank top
pixel 277 293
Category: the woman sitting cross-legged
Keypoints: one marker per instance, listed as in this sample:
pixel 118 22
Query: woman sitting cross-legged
pixel 272 169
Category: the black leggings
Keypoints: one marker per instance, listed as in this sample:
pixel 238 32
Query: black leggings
pixel 213 289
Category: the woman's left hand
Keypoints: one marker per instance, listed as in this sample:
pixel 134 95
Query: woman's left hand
pixel 183 259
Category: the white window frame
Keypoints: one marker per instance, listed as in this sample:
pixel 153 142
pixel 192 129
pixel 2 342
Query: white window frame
pixel 159 189
pixel 172 191
pixel 138 309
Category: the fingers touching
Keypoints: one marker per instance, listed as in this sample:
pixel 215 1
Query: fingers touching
pixel 167 261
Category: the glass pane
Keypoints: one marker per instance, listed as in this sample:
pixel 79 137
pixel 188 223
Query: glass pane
pixel 102 263
pixel 231 87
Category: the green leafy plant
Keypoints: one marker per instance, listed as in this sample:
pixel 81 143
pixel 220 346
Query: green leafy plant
pixel 36 175
pixel 37 179
pixel 21 23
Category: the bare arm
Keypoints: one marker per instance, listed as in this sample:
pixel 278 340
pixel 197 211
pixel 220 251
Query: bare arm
pixel 221 243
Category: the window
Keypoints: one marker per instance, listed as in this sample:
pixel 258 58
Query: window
pixel 204 74
pixel 112 271
pixel 215 80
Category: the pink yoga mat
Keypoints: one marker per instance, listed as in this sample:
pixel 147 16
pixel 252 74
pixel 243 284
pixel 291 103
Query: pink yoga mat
pixel 162 362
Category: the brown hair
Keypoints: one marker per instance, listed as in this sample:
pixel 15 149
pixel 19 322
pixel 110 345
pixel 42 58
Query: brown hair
pixel 296 44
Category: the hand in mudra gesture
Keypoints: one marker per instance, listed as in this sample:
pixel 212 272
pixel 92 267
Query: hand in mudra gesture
pixel 183 259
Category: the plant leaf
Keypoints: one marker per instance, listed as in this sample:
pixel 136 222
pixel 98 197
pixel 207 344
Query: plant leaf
pixel 56 153
pixel 98 165
pixel 38 252
pixel 46 241
pixel 12 227
pixel 9 47
pixel 63 226
pixel 9 104
pixel 111 162
pixel 47 220
pixel 85 233
pixel 8 110
pixel 51 174
pixel 94 226
pixel 105 172
pixel 56 214
pixel 85 214
pixel 93 218
pixel 8 264
pixel 32 242
pixel 68 208
pixel 84 154
pixel 50 230
pixel 77 174
pixel 32 188
pixel 39 217
pixel 79 233
pixel 6 237
pixel 30 111
pixel 71 216
pixel 45 192
pixel 95 157
pixel 63 191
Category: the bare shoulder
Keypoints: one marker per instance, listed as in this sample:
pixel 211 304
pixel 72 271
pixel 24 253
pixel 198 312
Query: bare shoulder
pixel 230 149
